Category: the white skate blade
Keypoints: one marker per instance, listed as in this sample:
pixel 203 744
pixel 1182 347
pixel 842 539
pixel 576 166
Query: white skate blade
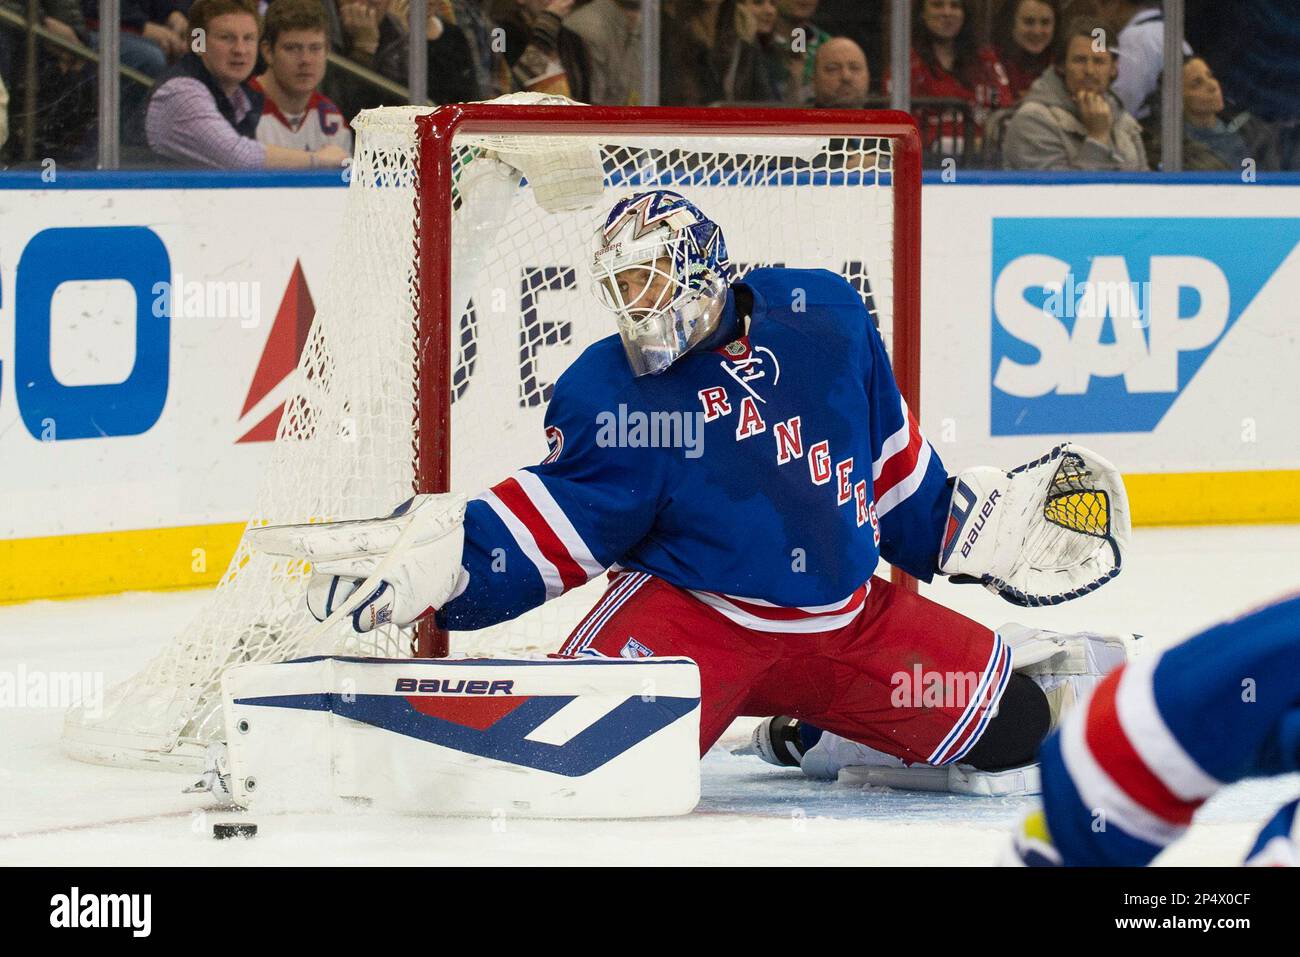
pixel 953 779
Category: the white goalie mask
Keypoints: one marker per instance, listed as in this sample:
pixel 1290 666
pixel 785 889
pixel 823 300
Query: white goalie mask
pixel 660 265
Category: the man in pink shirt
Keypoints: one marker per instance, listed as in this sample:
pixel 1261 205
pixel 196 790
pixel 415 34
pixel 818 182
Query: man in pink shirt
pixel 203 112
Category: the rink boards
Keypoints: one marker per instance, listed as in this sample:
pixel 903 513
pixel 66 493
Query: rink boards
pixel 1155 323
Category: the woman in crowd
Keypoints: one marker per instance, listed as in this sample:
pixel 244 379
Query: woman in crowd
pixel 703 58
pixel 1023 35
pixel 756 23
pixel 1213 139
pixel 449 54
pixel 947 63
pixel 544 56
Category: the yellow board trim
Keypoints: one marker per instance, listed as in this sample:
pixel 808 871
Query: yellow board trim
pixel 71 566
pixel 1214 498
pixel 101 563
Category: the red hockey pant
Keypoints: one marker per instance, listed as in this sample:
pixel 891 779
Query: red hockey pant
pixel 906 676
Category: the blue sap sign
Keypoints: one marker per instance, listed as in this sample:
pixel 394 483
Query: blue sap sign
pixel 52 410
pixel 1099 324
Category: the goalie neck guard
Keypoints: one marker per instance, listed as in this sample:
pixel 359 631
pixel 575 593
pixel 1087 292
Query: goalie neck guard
pixel 660 265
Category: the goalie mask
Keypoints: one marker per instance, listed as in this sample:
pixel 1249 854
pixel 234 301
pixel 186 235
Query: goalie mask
pixel 660 265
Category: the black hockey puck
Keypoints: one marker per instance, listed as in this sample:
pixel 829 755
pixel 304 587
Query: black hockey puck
pixel 223 831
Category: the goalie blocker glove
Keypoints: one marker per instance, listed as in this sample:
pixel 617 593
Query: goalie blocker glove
pixel 408 562
pixel 1049 531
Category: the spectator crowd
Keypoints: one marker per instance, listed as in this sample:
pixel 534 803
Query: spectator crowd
pixel 1017 84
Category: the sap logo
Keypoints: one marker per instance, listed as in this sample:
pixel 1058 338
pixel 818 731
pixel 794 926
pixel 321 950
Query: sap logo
pixel 447 686
pixel 1100 324
pixel 1147 332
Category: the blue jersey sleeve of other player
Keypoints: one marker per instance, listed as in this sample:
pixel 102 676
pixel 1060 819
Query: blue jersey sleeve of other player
pixel 1160 736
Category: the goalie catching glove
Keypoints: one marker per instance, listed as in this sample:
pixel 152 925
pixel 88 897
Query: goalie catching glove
pixel 1049 531
pixel 407 565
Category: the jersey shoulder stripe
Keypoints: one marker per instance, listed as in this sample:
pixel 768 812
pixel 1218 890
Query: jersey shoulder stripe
pixel 543 533
pixel 1097 789
pixel 1107 737
pixel 1143 725
pixel 901 466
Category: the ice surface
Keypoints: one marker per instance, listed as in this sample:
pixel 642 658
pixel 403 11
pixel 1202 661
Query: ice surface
pixel 58 811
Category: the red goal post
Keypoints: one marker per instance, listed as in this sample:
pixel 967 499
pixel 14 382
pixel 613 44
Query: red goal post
pixel 438 133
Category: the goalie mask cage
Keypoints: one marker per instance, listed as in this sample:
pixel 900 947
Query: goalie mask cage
pixel 457 296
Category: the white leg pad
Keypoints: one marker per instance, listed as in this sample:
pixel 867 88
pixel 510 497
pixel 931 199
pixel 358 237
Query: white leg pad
pixel 602 737
pixel 1065 665
pixel 834 758
pixel 952 778
pixel 1036 651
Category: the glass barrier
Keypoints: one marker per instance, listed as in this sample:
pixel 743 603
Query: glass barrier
pixel 993 84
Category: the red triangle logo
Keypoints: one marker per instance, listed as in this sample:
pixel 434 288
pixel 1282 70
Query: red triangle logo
pixel 477 713
pixel 265 430
pixel 281 353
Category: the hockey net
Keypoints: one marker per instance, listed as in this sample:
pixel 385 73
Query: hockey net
pixel 391 390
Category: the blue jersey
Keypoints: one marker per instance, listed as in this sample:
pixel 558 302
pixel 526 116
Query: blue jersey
pixel 767 475
pixel 1163 734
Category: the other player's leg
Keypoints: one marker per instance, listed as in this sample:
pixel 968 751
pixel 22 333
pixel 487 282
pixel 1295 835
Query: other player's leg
pixel 1161 735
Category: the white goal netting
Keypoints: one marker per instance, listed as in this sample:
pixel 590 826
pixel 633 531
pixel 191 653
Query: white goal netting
pixel 346 444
